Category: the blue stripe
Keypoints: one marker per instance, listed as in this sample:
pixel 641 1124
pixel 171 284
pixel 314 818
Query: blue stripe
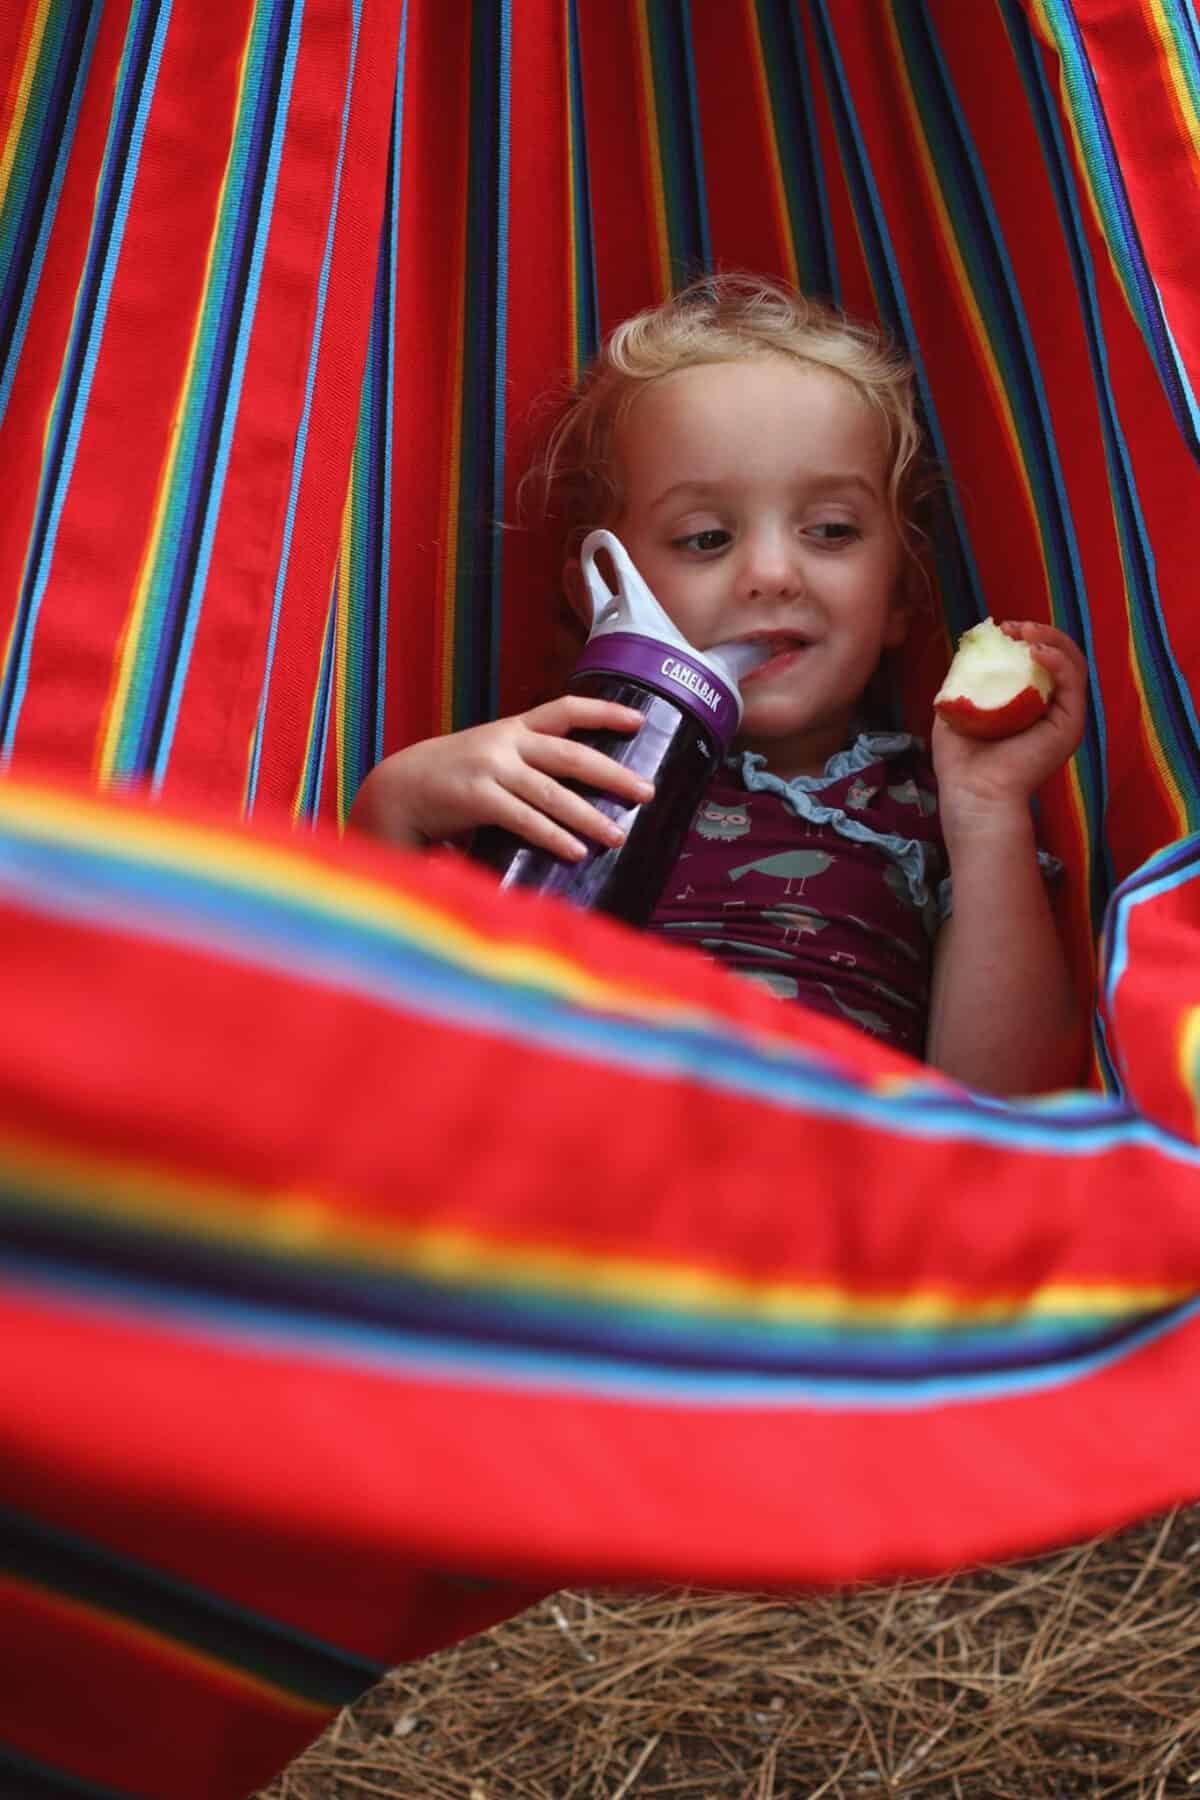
pixel 56 131
pixel 958 576
pixel 1147 883
pixel 681 149
pixel 260 1330
pixel 283 932
pixel 391 238
pixel 587 305
pixel 994 284
pixel 1187 397
pixel 1120 226
pixel 1137 550
pixel 349 1288
pixel 794 121
pixel 694 140
pixel 500 346
pixel 314 773
pixel 186 577
pixel 289 524
pixel 119 170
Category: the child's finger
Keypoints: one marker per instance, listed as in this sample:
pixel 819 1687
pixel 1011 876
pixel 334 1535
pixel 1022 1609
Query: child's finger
pixel 1068 669
pixel 1049 637
pixel 568 809
pixel 568 760
pixel 582 712
pixel 534 826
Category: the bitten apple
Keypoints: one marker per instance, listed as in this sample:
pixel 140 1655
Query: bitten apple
pixel 994 686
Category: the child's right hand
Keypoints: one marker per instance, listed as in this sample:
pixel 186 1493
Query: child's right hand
pixel 508 773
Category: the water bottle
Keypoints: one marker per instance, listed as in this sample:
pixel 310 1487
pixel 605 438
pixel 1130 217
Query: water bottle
pixel 691 709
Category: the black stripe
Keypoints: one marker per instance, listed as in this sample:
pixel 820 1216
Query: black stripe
pixel 680 143
pixel 984 250
pixel 411 1310
pixel 792 119
pixel 476 647
pixel 584 250
pixel 91 1573
pixel 63 84
pixel 176 609
pixel 23 1779
pixel 102 227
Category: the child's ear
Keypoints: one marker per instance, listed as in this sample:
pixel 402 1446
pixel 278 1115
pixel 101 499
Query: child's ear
pixel 899 619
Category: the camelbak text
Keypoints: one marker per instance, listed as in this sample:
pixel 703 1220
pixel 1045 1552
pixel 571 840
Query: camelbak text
pixel 688 678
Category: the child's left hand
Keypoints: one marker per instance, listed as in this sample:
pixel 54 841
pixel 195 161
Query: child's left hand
pixel 979 780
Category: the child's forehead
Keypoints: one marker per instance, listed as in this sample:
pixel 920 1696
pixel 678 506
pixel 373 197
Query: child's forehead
pixel 706 394
pixel 714 404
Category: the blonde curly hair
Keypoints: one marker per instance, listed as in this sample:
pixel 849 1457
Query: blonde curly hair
pixel 576 481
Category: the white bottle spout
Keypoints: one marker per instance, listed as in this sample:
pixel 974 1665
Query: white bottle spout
pixel 739 658
pixel 632 607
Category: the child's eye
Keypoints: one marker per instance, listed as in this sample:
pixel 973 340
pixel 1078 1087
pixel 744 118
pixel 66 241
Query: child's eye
pixel 712 539
pixel 832 531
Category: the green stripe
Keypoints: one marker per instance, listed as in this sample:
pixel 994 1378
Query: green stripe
pixel 993 285
pixel 793 124
pixel 681 157
pixel 194 428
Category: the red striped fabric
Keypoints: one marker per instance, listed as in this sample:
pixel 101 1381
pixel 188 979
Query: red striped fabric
pixel 235 1119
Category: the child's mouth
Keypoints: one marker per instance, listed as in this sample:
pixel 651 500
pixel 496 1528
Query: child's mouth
pixel 785 651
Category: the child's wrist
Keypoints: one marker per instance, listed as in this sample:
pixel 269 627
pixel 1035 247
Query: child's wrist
pixel 992 825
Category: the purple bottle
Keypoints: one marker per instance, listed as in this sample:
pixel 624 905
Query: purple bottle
pixel 691 710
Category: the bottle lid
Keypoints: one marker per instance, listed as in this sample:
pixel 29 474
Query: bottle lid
pixel 632 635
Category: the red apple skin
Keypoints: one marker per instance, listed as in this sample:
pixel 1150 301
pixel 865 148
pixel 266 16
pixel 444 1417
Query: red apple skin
pixel 1022 710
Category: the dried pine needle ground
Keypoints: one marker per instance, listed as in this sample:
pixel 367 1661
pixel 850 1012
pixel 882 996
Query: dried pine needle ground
pixel 1073 1675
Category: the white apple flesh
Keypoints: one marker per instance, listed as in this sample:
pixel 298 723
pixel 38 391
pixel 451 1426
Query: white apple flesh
pixel 995 686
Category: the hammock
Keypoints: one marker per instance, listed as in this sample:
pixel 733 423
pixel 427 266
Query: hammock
pixel 379 1252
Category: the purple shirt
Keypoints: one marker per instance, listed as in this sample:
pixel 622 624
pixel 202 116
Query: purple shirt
pixel 823 888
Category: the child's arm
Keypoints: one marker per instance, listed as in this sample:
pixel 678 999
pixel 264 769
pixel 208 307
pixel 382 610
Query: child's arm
pixel 508 773
pixel 1004 1014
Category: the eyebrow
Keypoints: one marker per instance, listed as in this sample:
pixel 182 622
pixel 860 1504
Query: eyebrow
pixel 821 484
pixel 700 488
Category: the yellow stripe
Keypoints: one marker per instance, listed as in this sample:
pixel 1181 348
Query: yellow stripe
pixel 155 840
pixel 1177 83
pixel 20 89
pixel 311 754
pixel 1044 27
pixel 1187 1062
pixel 139 1637
pixel 1174 793
pixel 112 717
pixel 653 147
pixel 1041 23
pixel 307 1228
pixel 991 369
pixel 774 163
pixel 19 94
pixel 963 283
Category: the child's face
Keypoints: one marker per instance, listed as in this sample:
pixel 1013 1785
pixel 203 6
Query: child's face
pixel 756 507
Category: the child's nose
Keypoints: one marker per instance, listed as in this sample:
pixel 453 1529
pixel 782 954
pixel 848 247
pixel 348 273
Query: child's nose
pixel 771 570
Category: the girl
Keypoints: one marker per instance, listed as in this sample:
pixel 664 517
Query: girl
pixel 758 455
